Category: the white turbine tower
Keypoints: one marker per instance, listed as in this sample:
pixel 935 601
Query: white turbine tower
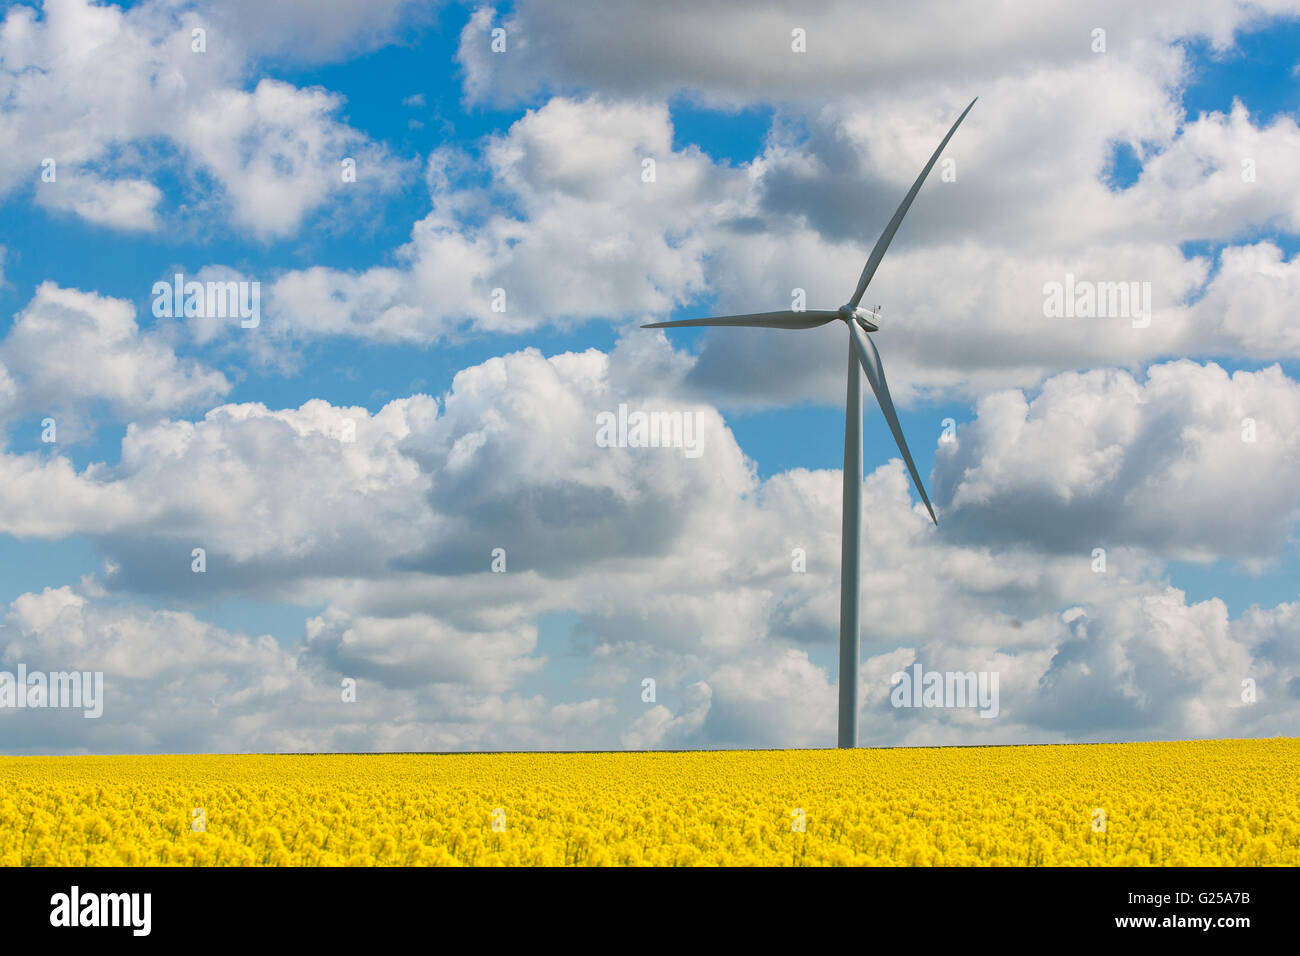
pixel 861 350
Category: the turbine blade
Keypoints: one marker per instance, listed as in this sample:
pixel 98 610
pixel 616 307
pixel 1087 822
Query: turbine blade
pixel 758 320
pixel 882 244
pixel 870 359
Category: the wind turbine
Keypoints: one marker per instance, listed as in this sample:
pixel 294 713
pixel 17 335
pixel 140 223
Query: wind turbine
pixel 862 351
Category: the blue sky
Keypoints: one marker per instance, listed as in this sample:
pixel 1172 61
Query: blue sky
pixel 415 86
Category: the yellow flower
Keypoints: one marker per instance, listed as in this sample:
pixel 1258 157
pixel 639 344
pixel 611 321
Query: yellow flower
pixel 1227 802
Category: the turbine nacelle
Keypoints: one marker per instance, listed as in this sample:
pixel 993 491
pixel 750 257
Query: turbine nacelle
pixel 865 317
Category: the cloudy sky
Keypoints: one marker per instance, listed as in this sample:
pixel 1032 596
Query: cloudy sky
pixel 457 217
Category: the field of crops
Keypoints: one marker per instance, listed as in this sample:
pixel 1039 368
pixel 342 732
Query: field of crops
pixel 1207 802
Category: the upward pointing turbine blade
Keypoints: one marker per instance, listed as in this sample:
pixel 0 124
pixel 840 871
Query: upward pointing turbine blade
pixel 870 359
pixel 758 320
pixel 882 244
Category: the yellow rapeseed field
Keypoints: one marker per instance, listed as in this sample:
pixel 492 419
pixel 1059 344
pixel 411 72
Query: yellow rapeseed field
pixel 1233 802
